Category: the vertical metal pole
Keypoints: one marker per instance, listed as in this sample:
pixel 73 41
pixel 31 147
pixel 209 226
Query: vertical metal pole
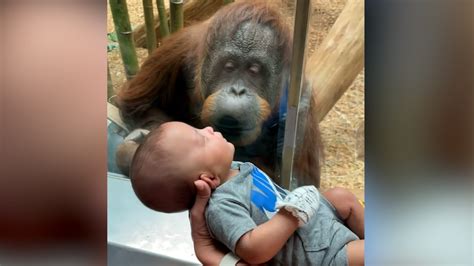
pixel 302 14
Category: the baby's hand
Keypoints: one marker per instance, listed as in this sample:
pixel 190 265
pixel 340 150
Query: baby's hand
pixel 302 202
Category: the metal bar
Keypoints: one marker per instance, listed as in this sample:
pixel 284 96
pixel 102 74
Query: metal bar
pixel 302 14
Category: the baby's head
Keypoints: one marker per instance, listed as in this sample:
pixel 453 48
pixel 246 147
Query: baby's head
pixel 171 158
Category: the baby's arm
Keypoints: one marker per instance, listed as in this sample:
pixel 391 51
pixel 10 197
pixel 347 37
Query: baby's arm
pixel 263 242
pixel 230 222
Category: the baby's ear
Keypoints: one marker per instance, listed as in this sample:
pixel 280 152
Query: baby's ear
pixel 210 179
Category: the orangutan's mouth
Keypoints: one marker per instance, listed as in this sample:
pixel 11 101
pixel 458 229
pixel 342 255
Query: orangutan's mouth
pixel 231 128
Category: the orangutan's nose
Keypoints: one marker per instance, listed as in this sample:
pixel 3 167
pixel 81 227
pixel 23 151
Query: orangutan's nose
pixel 238 90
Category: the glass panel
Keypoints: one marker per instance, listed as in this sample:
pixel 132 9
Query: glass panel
pixel 292 130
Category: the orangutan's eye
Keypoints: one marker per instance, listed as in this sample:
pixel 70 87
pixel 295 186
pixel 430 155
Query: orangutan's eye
pixel 229 66
pixel 254 69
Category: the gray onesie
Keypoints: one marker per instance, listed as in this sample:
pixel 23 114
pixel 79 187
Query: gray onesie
pixel 249 199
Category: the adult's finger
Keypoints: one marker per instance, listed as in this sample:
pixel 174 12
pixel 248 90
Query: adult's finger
pixel 203 189
pixel 202 197
pixel 207 251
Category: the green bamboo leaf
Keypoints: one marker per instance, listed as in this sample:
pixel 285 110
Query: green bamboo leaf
pixel 112 36
pixel 112 46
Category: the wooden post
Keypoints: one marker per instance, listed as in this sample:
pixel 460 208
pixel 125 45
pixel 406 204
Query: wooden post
pixel 339 58
pixel 150 25
pixel 176 15
pixel 124 35
pixel 164 29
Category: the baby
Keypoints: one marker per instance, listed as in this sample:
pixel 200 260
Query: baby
pixel 255 218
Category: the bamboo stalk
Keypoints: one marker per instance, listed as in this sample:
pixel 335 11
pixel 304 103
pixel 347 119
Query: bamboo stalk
pixel 194 11
pixel 176 15
pixel 124 35
pixel 150 25
pixel 164 29
pixel 110 88
pixel 228 2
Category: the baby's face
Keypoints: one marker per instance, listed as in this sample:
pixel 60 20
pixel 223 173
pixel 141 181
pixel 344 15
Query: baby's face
pixel 204 148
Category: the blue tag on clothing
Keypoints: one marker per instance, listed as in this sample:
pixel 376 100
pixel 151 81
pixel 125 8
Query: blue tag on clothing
pixel 265 193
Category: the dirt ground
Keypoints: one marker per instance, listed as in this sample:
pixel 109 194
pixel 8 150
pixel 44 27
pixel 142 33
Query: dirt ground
pixel 344 163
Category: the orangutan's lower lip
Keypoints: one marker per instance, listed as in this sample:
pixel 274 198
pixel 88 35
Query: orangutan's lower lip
pixel 231 135
pixel 233 132
pixel 228 123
